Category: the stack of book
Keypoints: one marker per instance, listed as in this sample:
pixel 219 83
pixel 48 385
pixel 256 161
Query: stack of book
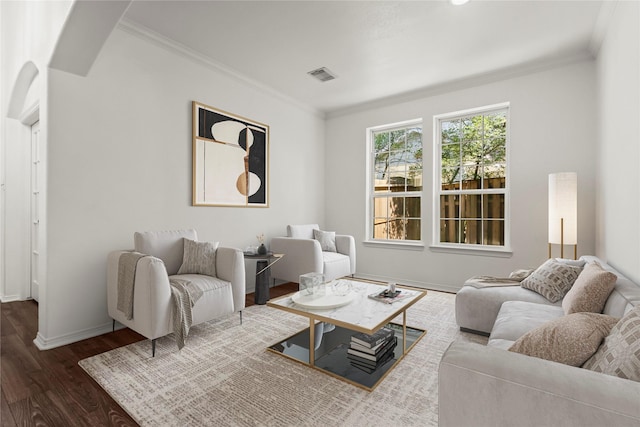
pixel 369 352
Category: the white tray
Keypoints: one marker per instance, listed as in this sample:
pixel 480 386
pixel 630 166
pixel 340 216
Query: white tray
pixel 322 302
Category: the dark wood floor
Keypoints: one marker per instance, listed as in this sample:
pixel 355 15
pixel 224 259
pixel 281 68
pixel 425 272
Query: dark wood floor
pixel 48 388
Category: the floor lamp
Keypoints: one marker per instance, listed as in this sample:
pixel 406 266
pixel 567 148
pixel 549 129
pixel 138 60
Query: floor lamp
pixel 563 211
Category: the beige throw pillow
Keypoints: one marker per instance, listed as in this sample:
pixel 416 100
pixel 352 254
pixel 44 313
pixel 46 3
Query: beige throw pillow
pixel 199 258
pixel 619 354
pixel 568 339
pixel 590 291
pixel 552 279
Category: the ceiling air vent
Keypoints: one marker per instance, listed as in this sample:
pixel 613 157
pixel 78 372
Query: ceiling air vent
pixel 322 74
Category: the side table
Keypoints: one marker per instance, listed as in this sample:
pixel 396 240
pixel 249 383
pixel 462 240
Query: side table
pixel 263 263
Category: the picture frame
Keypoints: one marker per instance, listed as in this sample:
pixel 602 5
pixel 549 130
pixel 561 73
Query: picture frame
pixel 230 159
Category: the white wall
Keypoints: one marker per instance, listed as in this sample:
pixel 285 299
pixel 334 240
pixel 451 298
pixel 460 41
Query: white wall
pixel 552 130
pixel 618 204
pixel 120 162
pixel 119 159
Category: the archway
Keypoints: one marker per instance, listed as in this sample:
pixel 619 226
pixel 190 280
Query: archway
pixel 23 91
pixel 19 266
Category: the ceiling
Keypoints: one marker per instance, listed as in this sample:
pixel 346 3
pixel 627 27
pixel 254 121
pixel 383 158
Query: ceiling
pixel 378 49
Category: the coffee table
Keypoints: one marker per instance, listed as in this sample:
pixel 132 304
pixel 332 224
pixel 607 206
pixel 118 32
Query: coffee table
pixel 324 344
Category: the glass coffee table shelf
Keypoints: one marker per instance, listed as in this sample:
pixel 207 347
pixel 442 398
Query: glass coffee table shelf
pixel 331 352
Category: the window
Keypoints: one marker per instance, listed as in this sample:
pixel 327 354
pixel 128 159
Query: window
pixel 395 182
pixel 472 179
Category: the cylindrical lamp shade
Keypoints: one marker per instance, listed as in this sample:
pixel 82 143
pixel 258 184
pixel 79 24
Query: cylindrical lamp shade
pixel 563 205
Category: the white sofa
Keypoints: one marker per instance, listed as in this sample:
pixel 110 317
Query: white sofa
pixel 152 305
pixel 303 254
pixel 489 386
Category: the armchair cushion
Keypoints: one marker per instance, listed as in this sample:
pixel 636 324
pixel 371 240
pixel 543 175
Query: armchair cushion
pixel 302 231
pixel 335 265
pixel 166 245
pixel 199 258
pixel 327 240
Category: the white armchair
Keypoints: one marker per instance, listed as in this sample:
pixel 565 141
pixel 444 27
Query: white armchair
pixel 303 254
pixel 153 310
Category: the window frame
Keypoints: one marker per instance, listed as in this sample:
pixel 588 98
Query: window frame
pixel 437 182
pixel 371 193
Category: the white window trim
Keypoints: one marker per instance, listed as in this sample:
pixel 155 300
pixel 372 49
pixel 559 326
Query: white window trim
pixel 490 250
pixel 389 243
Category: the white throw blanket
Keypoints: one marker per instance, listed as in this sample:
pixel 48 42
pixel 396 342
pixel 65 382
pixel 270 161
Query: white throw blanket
pixel 127 264
pixel 514 279
pixel 184 295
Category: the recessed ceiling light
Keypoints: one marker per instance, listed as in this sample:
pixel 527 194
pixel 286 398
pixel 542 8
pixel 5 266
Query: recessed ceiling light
pixel 458 2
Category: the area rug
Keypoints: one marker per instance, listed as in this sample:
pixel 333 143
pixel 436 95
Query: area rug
pixel 225 377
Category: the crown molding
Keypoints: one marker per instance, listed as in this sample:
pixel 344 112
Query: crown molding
pixel 530 67
pixel 159 40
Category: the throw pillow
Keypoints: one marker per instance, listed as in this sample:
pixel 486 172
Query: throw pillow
pixel 327 240
pixel 199 258
pixel 552 279
pixel 619 354
pixel 568 339
pixel 590 291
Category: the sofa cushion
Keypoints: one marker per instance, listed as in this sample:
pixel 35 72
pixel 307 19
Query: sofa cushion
pixel 516 318
pixel 477 309
pixel 552 279
pixel 327 240
pixel 619 354
pixel 199 258
pixel 570 339
pixel 590 291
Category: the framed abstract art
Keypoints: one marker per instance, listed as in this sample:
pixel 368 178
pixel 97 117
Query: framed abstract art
pixel 230 159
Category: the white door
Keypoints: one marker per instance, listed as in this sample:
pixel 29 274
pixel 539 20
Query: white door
pixel 36 186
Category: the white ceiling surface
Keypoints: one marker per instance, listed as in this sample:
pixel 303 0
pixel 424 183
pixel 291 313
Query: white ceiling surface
pixel 378 49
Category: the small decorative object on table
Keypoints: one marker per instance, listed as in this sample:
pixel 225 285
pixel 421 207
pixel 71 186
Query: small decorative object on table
pixel 262 249
pixel 390 295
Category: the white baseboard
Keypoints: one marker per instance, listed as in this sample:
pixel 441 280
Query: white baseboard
pixel 11 298
pixel 423 285
pixel 48 343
